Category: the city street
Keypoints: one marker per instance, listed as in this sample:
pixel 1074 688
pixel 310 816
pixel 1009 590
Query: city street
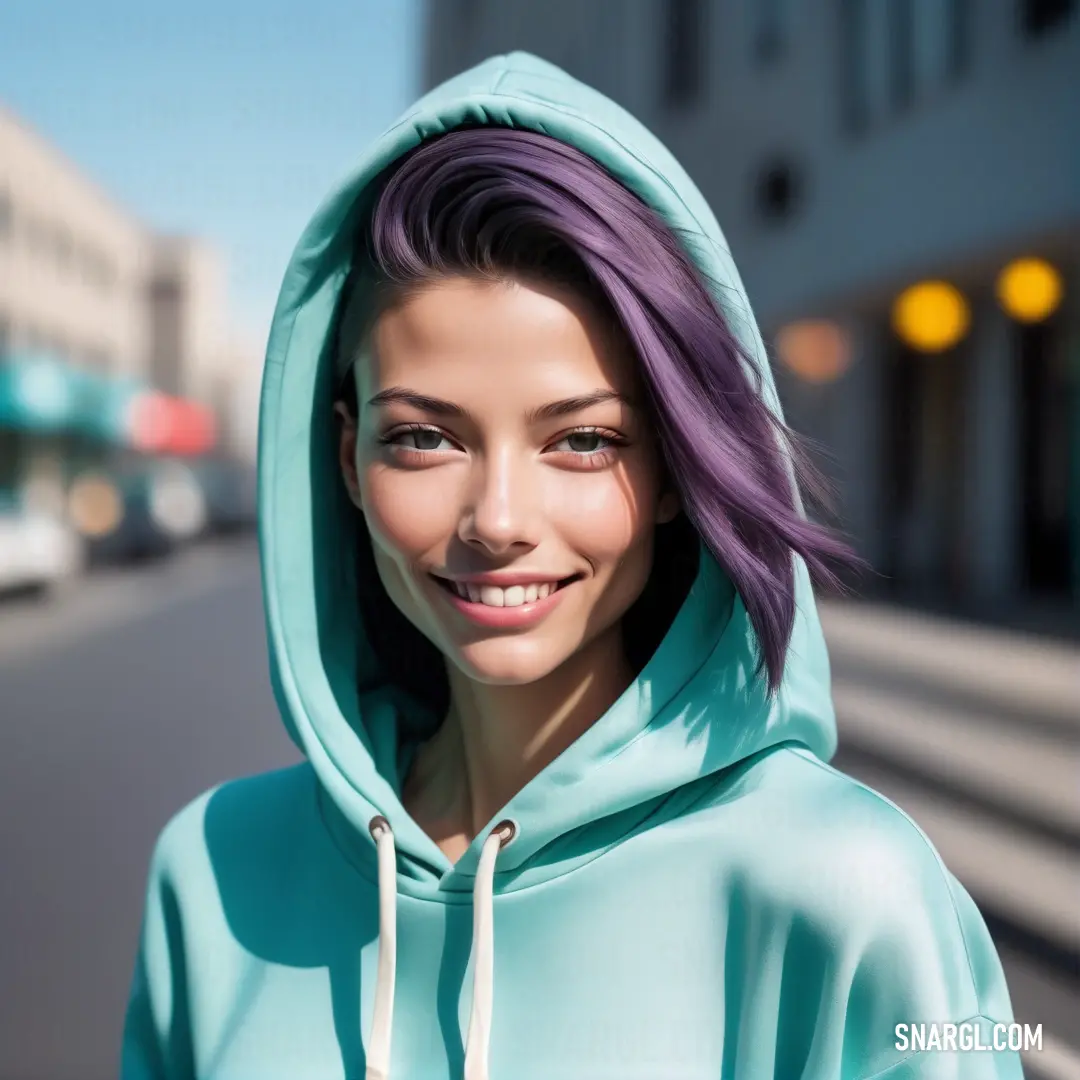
pixel 120 703
pixel 133 691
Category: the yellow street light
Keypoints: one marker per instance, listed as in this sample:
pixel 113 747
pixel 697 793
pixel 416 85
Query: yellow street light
pixel 816 350
pixel 1029 290
pixel 931 316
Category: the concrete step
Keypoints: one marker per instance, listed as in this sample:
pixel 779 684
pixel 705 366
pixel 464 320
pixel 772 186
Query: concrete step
pixel 1000 670
pixel 1052 1000
pixel 1030 772
pixel 1025 879
pixel 1056 1061
pixel 1033 884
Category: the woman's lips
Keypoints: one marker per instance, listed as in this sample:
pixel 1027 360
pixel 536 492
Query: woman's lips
pixel 514 615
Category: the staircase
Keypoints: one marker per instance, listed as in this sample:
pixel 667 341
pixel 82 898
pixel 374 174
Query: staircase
pixel 975 733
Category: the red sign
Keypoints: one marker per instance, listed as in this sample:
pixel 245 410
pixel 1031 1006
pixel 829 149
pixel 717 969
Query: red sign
pixel 162 424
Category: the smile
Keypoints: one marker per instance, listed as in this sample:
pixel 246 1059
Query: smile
pixel 510 607
pixel 494 596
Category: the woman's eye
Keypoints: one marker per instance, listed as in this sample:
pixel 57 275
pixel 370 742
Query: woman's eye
pixel 583 442
pixel 422 439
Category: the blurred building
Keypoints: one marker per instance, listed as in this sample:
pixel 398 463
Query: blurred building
pixel 186 292
pixel 99 317
pixel 193 351
pixel 852 150
pixel 72 262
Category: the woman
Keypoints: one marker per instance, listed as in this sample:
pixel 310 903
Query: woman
pixel 541 622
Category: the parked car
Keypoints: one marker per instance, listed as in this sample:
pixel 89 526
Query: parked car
pixel 142 509
pixel 38 551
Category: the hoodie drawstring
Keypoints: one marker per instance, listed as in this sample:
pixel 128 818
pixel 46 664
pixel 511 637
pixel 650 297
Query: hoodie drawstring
pixel 483 949
pixel 483 953
pixel 382 1022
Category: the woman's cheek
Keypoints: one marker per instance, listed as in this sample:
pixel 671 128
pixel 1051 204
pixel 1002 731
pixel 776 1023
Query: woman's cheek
pixel 409 512
pixel 602 515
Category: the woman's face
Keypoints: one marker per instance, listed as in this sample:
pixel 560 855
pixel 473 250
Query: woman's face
pixel 506 473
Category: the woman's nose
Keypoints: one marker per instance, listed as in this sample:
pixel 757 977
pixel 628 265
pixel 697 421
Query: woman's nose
pixel 501 512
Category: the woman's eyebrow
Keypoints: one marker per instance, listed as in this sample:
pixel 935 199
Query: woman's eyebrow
pixel 399 395
pixel 566 406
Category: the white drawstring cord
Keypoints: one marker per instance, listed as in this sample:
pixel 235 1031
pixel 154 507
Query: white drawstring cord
pixel 382 1021
pixel 478 1040
pixel 479 1037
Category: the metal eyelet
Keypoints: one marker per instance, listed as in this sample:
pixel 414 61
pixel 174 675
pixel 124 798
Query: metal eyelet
pixel 507 830
pixel 378 825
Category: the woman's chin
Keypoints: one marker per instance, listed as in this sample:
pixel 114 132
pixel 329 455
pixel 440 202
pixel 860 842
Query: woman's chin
pixel 507 662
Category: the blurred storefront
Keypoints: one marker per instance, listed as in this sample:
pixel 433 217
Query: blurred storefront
pixel 58 422
pixel 899 187
pixel 114 340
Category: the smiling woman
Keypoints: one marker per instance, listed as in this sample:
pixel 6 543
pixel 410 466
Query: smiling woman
pixel 499 439
pixel 541 620
pixel 511 494
pixel 485 268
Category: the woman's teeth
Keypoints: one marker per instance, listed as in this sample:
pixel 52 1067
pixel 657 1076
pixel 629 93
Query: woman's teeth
pixel 493 596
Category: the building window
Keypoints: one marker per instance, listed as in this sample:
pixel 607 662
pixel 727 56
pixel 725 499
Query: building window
pixel 959 37
pixel 895 53
pixel 7 215
pixel 684 44
pixel 901 18
pixel 165 290
pixel 867 55
pixel 770 37
pixel 852 91
pixel 1038 17
pixel 777 190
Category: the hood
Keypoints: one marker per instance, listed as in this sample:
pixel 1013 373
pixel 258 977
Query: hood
pixel 695 710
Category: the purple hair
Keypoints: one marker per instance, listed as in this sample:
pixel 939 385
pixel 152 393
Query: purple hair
pixel 501 202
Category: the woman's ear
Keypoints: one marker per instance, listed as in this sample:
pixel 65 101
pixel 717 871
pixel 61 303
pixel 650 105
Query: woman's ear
pixel 667 509
pixel 347 453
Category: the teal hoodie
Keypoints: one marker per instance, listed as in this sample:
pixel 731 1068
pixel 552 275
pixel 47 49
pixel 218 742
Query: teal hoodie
pixel 691 892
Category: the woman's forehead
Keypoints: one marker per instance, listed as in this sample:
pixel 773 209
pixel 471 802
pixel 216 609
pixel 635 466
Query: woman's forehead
pixel 510 338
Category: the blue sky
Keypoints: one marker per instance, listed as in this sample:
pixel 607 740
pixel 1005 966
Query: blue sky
pixel 228 119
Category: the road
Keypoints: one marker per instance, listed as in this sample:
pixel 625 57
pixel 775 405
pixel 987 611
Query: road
pixel 134 692
pixel 120 703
